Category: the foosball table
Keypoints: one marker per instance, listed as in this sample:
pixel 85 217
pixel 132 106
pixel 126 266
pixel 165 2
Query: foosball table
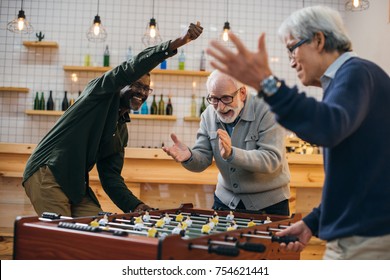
pixel 183 233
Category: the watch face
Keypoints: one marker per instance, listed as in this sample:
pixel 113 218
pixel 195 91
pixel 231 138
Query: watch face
pixel 270 85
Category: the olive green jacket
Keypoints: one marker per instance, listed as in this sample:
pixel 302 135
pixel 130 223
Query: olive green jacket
pixel 89 133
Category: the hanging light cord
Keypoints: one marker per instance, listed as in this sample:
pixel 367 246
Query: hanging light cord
pixel 227 10
pixel 21 8
pixel 98 8
pixel 153 10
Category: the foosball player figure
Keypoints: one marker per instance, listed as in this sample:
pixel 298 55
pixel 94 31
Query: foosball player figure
pixel 251 223
pixel 94 223
pixel 146 216
pixel 138 223
pixel 211 223
pixel 167 219
pixel 206 229
pixel 230 216
pixel 232 226
pixel 179 229
pixel 268 220
pixel 152 232
pixel 103 221
pixel 179 217
pixel 215 218
pixel 187 222
pixel 160 223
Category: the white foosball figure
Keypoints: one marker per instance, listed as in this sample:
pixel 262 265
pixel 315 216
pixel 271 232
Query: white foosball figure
pixel 230 216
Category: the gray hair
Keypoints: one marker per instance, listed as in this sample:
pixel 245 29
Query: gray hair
pixel 305 23
pixel 217 75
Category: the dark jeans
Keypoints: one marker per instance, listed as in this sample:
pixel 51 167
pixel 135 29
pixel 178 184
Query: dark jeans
pixel 280 208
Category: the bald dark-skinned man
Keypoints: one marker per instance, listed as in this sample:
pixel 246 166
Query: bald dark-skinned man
pixel 94 131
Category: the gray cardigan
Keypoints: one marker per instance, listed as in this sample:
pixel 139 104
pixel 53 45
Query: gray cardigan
pixel 257 172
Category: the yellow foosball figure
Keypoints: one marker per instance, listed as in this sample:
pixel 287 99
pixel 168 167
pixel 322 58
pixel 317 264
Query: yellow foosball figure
pixel 160 223
pixel 179 217
pixel 251 223
pixel 232 226
pixel 206 228
pixel 152 232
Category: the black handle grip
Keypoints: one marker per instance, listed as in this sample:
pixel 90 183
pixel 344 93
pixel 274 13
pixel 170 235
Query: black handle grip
pixel 50 215
pixel 224 250
pixel 284 239
pixel 251 247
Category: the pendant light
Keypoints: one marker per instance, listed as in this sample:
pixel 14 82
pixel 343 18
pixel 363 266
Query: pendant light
pixel 226 26
pixel 152 33
pixel 20 24
pixel 97 32
pixel 357 5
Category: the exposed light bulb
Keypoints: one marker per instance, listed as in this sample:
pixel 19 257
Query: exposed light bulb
pixel 225 33
pixel 152 32
pixel 96 29
pixel 20 24
pixel 356 3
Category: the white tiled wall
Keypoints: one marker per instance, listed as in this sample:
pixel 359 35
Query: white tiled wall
pixel 67 21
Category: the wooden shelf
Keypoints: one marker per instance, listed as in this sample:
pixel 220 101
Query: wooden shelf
pixel 43 113
pixel 14 89
pixel 192 119
pixel 42 44
pixel 152 117
pixel 132 116
pixel 154 71
pixel 86 68
pixel 181 72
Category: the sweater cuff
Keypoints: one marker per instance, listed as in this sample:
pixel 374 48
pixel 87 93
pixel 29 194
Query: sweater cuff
pixel 312 221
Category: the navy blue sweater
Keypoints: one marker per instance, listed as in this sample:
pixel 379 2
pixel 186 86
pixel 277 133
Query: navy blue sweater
pixel 352 123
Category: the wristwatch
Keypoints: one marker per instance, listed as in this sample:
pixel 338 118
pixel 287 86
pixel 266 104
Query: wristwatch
pixel 269 86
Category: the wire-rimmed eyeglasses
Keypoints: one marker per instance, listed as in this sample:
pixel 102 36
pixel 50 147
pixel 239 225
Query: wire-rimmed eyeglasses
pixel 225 99
pixel 291 50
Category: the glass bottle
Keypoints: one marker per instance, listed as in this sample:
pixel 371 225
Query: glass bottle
pixel 163 65
pixel 203 106
pixel 182 60
pixel 129 53
pixel 161 106
pixel 169 108
pixel 36 101
pixel 202 61
pixel 42 102
pixel 153 107
pixel 144 108
pixel 193 106
pixel 65 103
pixel 106 57
pixel 50 102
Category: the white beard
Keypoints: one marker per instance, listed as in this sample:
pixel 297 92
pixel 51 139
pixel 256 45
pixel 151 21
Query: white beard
pixel 232 118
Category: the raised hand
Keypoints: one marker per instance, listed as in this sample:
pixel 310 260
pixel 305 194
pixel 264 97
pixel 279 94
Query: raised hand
pixel 225 143
pixel 248 67
pixel 178 151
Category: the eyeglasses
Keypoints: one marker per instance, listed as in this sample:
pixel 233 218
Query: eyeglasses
pixel 225 99
pixel 138 87
pixel 291 50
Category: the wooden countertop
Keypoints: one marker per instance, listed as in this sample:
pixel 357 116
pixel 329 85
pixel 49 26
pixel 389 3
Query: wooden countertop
pixel 143 165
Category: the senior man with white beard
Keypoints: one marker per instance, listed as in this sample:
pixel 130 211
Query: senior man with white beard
pixel 241 134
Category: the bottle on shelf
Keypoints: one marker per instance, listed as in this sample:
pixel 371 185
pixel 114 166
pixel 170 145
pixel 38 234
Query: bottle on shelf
pixel 36 101
pixel 202 61
pixel 161 106
pixel 50 102
pixel 71 100
pixel 42 102
pixel 193 106
pixel 65 103
pixel 163 65
pixel 144 108
pixel 129 53
pixel 182 60
pixel 169 108
pixel 203 106
pixel 106 57
pixel 153 107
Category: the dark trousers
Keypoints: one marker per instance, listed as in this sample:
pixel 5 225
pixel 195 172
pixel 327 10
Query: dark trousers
pixel 280 208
